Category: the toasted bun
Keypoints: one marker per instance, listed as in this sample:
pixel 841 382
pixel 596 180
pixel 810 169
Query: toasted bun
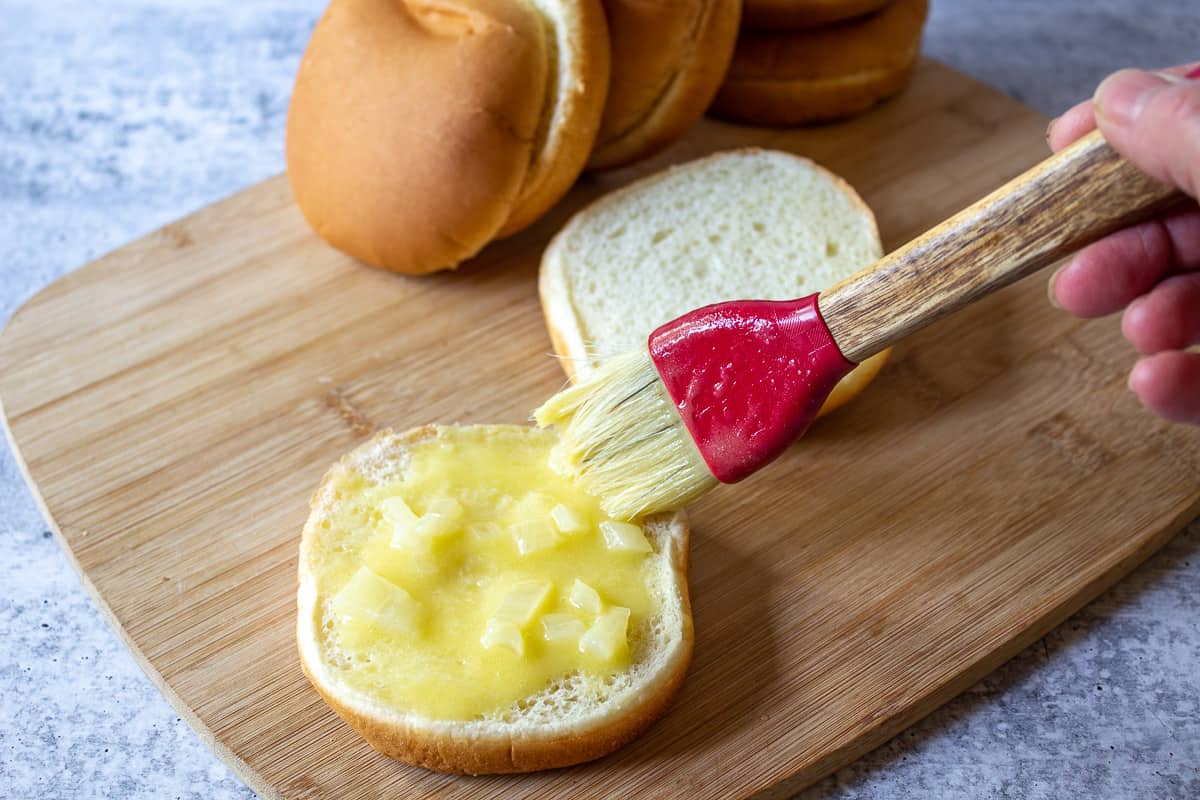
pixel 577 719
pixel 748 224
pixel 419 128
pixel 792 78
pixel 798 14
pixel 668 62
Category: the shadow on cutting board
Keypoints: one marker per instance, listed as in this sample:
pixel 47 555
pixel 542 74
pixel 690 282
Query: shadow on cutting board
pixel 735 666
pixel 1023 681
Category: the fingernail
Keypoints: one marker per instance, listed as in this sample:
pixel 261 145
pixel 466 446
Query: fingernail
pixel 1195 73
pixel 1171 77
pixel 1136 305
pixel 1121 96
pixel 1129 320
pixel 1050 287
pixel 1137 375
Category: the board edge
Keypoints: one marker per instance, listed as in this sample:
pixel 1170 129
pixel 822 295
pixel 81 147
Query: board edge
pixel 242 769
pixel 889 728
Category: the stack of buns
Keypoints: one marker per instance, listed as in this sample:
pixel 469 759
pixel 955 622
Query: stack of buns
pixel 421 130
pixel 808 61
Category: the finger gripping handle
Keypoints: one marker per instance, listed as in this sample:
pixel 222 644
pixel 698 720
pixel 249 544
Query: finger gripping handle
pixel 1080 194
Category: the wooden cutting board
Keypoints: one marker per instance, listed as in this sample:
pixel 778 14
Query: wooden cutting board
pixel 176 402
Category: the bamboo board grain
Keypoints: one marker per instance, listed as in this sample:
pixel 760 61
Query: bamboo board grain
pixel 175 402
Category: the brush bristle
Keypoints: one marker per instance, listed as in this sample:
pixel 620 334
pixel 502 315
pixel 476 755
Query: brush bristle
pixel 622 439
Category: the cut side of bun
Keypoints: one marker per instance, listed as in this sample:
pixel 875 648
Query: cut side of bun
pixel 798 77
pixel 668 60
pixel 576 718
pixel 745 224
pixel 420 130
pixel 799 14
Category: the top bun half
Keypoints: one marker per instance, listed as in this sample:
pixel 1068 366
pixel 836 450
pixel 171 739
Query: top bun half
pixel 419 130
pixel 668 60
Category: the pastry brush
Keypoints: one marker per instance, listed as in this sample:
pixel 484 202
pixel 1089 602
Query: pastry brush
pixel 721 391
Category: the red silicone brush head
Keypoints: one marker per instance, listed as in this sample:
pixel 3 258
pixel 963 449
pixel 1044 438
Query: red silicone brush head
pixel 747 377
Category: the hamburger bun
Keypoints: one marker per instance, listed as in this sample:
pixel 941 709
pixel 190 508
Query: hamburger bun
pixel 577 717
pixel 800 14
pixel 419 130
pixel 823 74
pixel 668 60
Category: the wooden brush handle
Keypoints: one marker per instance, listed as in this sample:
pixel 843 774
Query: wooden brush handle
pixel 1071 199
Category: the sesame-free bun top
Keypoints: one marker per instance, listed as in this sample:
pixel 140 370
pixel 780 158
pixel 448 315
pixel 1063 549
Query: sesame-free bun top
pixel 880 40
pixel 797 14
pixel 827 73
pixel 421 129
pixel 578 82
pixel 667 63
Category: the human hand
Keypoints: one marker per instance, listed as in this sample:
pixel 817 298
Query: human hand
pixel 1151 270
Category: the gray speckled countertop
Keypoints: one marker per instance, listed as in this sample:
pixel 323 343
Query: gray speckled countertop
pixel 117 117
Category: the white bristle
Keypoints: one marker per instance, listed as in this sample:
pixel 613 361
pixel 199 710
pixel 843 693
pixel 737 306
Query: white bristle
pixel 623 440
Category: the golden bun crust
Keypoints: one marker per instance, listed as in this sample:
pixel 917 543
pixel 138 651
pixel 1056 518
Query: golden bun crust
pixel 668 62
pixel 574 108
pixel 799 14
pixel 410 127
pixel 551 303
pixel 447 751
pixel 420 130
pixel 850 386
pixel 798 77
pixel 474 748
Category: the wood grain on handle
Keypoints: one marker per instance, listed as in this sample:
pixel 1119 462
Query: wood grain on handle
pixel 1071 199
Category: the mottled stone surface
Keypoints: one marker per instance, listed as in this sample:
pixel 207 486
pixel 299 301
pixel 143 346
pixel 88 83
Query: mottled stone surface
pixel 119 116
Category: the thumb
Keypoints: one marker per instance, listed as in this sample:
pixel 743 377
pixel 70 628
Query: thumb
pixel 1153 119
